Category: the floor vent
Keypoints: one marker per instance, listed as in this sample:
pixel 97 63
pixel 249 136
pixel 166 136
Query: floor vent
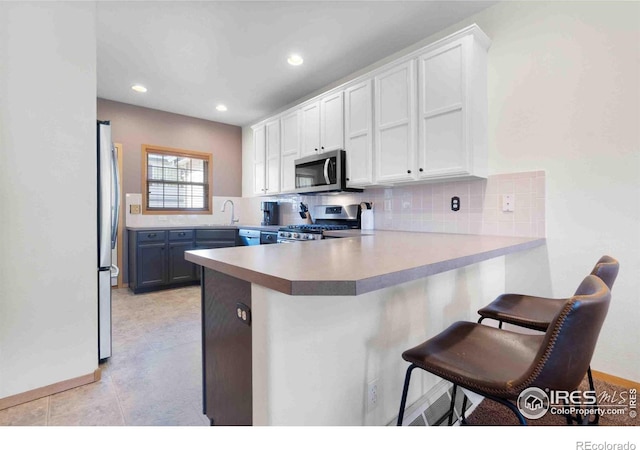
pixel 426 412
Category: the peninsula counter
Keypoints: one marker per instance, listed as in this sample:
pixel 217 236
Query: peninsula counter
pixel 324 320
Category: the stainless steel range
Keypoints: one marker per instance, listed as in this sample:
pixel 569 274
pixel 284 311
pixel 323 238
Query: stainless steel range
pixel 326 217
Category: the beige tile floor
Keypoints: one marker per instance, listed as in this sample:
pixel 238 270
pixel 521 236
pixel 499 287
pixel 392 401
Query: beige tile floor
pixel 153 377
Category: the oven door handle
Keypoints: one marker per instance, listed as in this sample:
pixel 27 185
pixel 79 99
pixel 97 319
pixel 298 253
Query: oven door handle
pixel 326 170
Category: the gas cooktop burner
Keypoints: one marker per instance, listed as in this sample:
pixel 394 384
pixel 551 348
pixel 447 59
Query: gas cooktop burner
pixel 314 227
pixel 327 218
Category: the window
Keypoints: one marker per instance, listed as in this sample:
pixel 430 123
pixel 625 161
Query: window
pixel 175 181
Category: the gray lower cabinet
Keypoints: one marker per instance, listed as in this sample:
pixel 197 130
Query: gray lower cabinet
pixel 156 257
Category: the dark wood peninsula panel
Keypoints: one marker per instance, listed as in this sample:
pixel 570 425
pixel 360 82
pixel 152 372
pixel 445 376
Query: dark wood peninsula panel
pixel 226 349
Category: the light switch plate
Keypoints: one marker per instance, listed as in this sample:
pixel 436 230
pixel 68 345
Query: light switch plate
pixel 134 209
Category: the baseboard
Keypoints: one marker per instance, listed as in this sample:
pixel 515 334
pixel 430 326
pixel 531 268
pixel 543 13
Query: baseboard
pixel 34 394
pixel 615 380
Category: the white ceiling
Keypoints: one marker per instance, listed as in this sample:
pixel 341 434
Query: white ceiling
pixel 193 55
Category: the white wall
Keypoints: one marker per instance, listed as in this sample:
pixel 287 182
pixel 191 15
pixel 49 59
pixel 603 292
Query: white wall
pixel 48 278
pixel 564 90
pixel 564 96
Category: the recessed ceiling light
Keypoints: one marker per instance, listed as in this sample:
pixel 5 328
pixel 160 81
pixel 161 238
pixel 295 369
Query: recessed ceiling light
pixel 295 60
pixel 221 108
pixel 139 88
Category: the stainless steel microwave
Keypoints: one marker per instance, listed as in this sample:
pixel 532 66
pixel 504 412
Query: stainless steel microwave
pixel 324 172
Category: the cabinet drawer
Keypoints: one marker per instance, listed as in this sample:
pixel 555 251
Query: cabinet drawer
pixel 181 235
pixel 216 235
pixel 151 236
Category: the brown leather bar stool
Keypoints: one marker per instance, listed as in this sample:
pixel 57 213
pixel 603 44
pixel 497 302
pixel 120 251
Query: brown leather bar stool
pixel 537 312
pixel 500 364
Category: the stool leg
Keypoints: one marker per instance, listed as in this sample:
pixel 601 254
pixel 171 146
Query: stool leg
pixel 593 388
pixel 405 390
pixel 463 419
pixel 452 408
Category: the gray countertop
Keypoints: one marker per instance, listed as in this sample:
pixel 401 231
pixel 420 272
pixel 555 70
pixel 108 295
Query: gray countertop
pixel 362 261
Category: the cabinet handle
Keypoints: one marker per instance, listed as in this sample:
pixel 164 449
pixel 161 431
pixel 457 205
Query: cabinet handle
pixel 421 170
pixel 322 148
pixel 181 234
pixel 316 149
pixel 347 179
pixel 408 171
pixel 150 235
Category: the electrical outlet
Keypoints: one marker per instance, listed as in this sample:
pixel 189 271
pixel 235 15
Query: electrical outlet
pixel 508 203
pixel 455 203
pixel 134 209
pixel 372 395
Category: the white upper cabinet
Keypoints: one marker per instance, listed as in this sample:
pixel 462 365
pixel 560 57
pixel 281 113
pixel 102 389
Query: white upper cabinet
pixel 290 134
pixel 310 129
pixel 323 125
pixel 259 147
pixel 331 122
pixel 358 134
pixel 266 158
pixel 395 93
pixel 272 160
pixel 452 110
pixel 419 118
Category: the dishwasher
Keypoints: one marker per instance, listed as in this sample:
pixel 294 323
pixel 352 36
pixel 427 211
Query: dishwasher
pixel 249 237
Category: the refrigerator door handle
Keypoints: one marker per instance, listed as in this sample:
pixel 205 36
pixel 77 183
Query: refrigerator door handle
pixel 104 193
pixel 115 213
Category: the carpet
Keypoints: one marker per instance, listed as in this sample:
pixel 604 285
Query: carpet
pixel 492 413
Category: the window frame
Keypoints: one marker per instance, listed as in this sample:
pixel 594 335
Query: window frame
pixel 155 149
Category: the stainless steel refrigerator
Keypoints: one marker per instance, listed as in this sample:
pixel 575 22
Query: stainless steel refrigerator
pixel 108 210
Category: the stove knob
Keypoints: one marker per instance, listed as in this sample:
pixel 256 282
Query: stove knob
pixel 285 234
pixel 296 235
pixel 309 236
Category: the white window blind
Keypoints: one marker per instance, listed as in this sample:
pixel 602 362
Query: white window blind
pixel 177 182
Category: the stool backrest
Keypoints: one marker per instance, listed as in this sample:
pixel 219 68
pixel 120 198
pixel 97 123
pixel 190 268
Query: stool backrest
pixel 570 340
pixel 607 270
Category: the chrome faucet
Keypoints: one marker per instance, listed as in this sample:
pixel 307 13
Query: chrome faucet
pixel 233 220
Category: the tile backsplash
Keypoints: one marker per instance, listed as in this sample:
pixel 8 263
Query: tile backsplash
pixel 427 207
pixel 418 207
pixel 246 209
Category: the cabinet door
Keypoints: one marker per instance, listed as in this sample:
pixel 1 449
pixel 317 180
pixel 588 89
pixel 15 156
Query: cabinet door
pixel 332 123
pixel 179 268
pixel 358 135
pixel 151 265
pixel 290 133
pixel 442 134
pixel 310 129
pixel 259 147
pixel 272 157
pixel 395 150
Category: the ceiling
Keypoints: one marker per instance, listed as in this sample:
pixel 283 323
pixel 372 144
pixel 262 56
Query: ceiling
pixel 194 55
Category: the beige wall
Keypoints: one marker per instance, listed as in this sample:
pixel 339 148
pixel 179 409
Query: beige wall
pixel 133 126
